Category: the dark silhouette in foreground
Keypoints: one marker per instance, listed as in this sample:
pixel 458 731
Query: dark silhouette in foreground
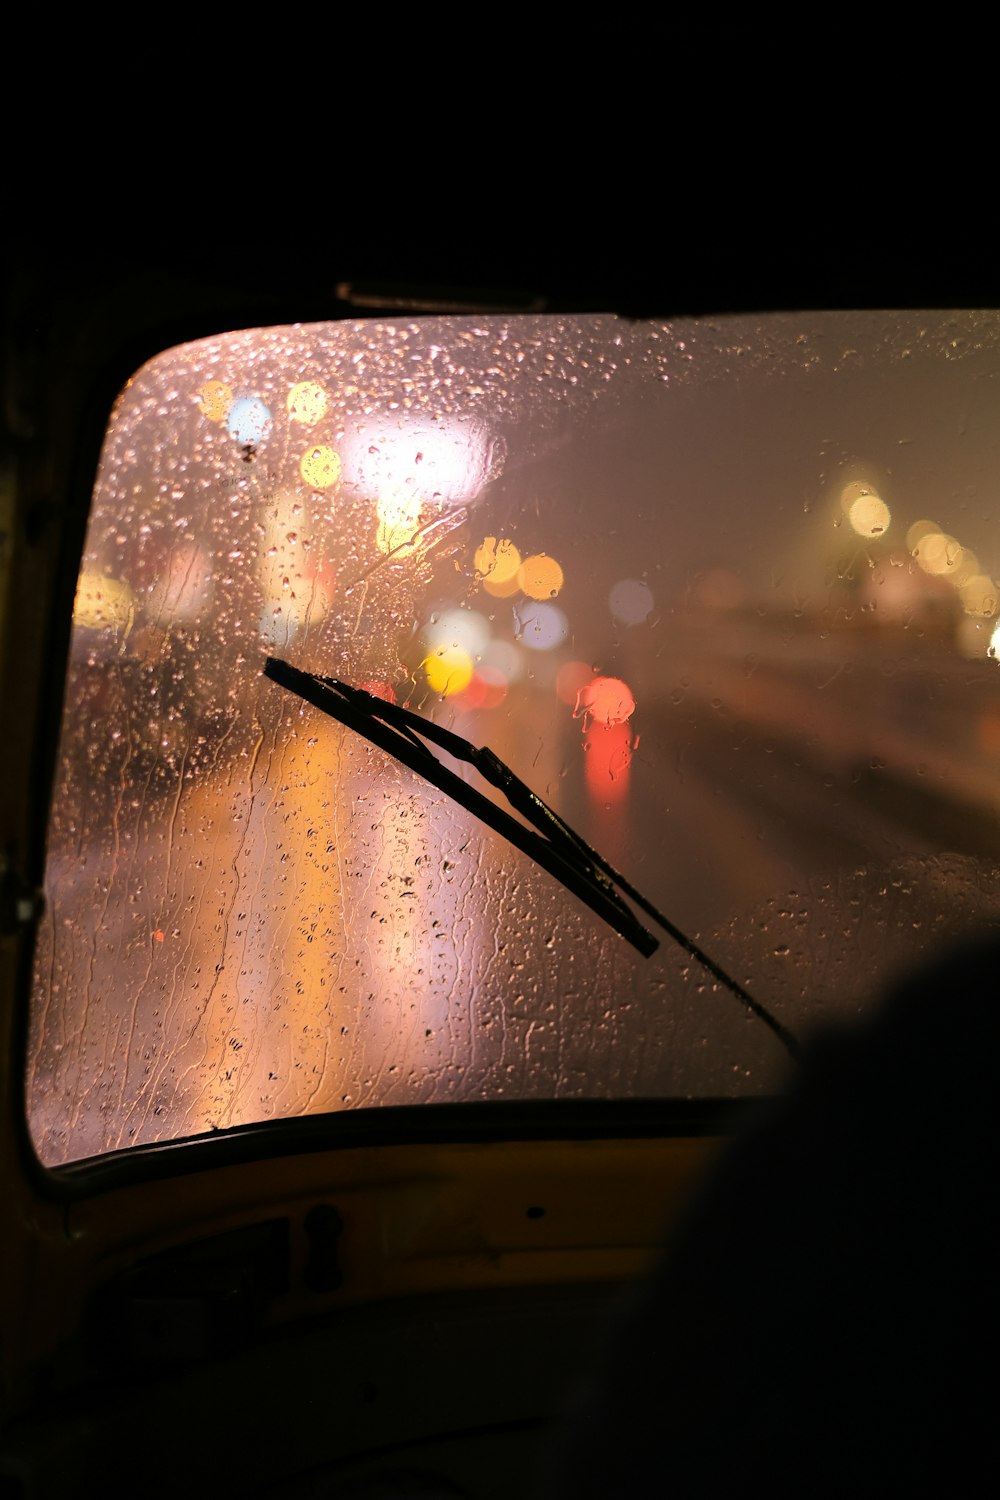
pixel 824 1323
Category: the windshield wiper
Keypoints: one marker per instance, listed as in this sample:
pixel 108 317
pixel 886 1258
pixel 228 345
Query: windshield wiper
pixel 550 842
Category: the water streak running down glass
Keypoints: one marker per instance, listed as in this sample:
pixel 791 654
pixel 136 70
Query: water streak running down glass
pixel 722 592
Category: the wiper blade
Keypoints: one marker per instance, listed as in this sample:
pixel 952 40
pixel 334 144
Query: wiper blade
pixel 550 842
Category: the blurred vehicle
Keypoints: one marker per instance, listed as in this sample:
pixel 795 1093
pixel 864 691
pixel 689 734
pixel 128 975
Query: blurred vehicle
pixel 336 1123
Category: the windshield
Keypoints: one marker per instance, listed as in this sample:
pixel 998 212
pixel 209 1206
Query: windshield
pixel 719 592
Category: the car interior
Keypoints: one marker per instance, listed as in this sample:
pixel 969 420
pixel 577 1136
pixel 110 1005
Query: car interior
pixel 469 739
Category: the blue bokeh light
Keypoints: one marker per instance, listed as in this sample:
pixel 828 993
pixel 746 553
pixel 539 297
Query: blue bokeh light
pixel 249 420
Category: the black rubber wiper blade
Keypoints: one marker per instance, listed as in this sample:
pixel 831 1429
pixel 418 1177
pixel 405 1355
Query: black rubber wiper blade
pixel 550 842
pixel 395 730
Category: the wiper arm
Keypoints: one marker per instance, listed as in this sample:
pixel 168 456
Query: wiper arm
pixel 550 842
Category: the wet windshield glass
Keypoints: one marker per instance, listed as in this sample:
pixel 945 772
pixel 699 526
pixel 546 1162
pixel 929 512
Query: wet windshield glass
pixel 720 592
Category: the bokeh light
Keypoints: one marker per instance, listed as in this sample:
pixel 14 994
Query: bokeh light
pixel 605 700
pixel 968 567
pixel 869 515
pixel 497 562
pixel 631 601
pixel 979 595
pixel 307 403
pixel 918 531
pixel 540 576
pixel 249 420
pixel 320 467
pixel 938 554
pixel 214 400
pixel 457 627
pixel 447 460
pixel 540 626
pixel 856 489
pixel 448 670
pixel 942 556
pixel 103 603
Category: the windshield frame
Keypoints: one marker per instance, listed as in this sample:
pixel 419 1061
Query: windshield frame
pixel 251 1134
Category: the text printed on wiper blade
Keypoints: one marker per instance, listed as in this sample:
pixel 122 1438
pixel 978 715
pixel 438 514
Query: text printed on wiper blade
pixel 550 842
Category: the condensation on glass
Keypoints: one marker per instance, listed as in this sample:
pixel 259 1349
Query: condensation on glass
pixel 721 592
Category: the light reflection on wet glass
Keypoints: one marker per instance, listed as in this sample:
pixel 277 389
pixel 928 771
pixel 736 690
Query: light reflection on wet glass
pixel 682 578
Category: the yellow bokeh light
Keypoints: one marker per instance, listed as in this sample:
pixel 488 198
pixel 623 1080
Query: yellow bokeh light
pixel 320 467
pixel 540 576
pixel 979 595
pixel 938 554
pixel 857 489
pixel 398 521
pixel 869 515
pixel 214 401
pixel 449 670
pixel 967 568
pixel 103 603
pixel 504 589
pixel 497 563
pixel 307 402
pixel 918 531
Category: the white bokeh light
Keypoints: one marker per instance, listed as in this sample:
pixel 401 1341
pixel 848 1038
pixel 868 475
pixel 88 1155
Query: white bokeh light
pixel 444 461
pixel 540 626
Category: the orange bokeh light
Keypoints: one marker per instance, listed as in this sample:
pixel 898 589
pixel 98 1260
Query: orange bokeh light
pixel 540 576
pixel 215 399
pixel 497 563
